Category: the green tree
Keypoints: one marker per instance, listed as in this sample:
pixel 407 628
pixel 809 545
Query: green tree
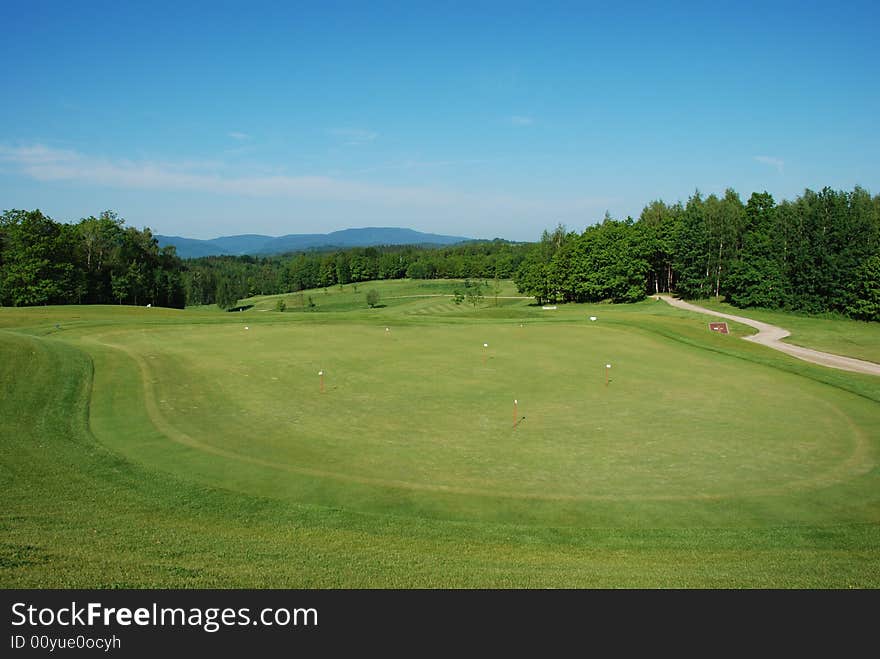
pixel 97 248
pixel 37 267
pixel 535 276
pixel 474 293
pixel 343 268
pixel 496 289
pixel 372 297
pixel 392 266
pixel 225 296
pixel 756 277
pixel 327 272
pixel 657 225
pixel 865 291
pixel 608 262
pixel 829 235
pixel 120 286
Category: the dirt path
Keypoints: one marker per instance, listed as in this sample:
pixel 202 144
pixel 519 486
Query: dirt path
pixel 771 336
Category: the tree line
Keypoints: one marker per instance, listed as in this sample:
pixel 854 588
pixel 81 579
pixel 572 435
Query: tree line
pixel 97 260
pixel 817 253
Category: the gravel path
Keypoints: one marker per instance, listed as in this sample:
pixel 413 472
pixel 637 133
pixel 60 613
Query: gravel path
pixel 771 336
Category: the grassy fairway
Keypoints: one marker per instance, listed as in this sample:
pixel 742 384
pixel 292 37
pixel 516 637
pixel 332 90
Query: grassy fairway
pixel 162 448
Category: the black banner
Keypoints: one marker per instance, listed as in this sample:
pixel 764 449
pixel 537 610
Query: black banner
pixel 236 622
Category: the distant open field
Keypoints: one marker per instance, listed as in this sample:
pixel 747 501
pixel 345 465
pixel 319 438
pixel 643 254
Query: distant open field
pixel 196 448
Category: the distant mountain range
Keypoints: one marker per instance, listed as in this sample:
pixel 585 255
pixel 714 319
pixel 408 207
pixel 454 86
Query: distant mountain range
pixel 257 245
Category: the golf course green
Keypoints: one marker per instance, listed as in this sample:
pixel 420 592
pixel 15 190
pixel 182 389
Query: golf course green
pixel 429 443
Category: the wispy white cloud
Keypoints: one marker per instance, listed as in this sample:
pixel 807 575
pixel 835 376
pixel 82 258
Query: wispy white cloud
pixel 35 154
pixel 236 135
pixel 47 164
pixel 354 136
pixel 410 165
pixel 778 163
pixel 44 163
pixel 520 120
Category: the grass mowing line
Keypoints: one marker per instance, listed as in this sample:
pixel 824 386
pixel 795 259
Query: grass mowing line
pixel 860 461
pixel 857 463
pixel 175 435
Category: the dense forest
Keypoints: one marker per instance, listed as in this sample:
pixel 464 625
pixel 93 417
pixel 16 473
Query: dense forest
pixel 95 261
pixel 817 253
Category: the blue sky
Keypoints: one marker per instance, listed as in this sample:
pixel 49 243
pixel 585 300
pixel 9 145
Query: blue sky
pixel 476 119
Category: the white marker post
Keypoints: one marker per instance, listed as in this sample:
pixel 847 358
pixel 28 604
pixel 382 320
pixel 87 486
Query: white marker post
pixel 321 374
pixel 485 346
pixel 607 368
pixel 515 403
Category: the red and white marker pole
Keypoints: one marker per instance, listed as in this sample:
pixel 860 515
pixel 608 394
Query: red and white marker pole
pixel 515 415
pixel 607 368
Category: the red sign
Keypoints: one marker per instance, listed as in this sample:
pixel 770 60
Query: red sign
pixel 719 327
